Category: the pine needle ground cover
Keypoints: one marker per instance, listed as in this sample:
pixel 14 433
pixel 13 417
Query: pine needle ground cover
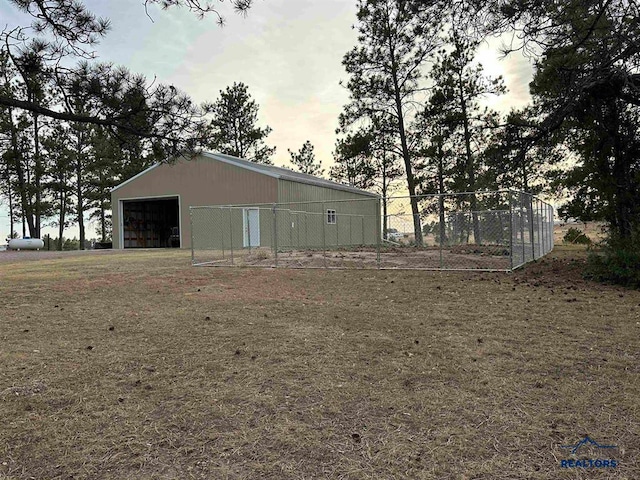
pixel 136 365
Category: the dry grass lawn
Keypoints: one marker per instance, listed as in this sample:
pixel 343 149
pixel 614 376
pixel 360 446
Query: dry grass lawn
pixel 140 366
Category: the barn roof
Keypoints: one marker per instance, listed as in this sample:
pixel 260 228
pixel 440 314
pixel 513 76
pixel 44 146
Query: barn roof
pixel 285 173
pixel 271 171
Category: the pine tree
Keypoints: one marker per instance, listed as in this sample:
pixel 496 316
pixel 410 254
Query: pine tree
pixel 305 160
pixel 395 40
pixel 459 123
pixel 60 183
pixel 234 126
pixel 352 158
pixel 63 31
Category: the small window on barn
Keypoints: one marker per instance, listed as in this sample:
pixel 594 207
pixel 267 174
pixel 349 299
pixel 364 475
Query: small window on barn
pixel 331 217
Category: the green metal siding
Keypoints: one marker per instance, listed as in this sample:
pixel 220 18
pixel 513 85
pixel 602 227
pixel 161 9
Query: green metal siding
pixel 299 220
pixel 293 192
pixel 357 216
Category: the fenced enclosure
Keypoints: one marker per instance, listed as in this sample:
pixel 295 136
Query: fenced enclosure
pixel 489 231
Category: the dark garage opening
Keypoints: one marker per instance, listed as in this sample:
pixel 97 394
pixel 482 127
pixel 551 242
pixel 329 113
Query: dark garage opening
pixel 153 223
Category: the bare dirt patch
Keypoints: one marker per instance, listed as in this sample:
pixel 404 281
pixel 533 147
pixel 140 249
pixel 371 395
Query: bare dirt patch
pixel 139 366
pixel 467 257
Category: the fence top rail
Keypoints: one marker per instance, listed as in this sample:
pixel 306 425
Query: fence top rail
pixel 374 200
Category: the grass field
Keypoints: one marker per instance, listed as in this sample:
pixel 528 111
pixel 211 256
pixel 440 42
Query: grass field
pixel 140 366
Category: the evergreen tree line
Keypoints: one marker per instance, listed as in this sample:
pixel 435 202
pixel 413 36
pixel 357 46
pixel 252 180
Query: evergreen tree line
pixel 58 172
pixel 71 128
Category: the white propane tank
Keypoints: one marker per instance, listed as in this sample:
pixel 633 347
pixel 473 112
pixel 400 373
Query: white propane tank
pixel 26 244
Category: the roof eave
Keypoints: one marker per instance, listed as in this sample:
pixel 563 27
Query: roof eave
pixel 135 176
pixel 335 186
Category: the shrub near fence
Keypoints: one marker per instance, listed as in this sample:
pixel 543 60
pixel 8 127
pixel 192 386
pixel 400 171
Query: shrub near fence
pixel 496 231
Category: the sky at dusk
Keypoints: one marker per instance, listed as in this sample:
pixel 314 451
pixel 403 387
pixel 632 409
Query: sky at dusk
pixel 288 52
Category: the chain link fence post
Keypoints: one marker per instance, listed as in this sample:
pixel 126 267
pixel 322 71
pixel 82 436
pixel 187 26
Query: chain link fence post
pixel 222 234
pixel 323 218
pixel 193 254
pixel 542 221
pixel 539 227
pixel 441 228
pixel 522 207
pixel 378 231
pixel 510 193
pixel 274 238
pixel 231 234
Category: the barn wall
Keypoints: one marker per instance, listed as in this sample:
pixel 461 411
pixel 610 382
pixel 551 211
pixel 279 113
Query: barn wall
pixel 200 181
pixel 358 216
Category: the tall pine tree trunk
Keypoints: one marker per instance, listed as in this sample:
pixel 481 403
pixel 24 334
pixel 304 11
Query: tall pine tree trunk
pixel 406 156
pixel 443 230
pixel 37 178
pixel 79 192
pixel 622 198
pixel 11 219
pixel 26 206
pixel 470 164
pixel 80 205
pixel 103 223
pixel 385 204
pixel 63 210
pixel 10 199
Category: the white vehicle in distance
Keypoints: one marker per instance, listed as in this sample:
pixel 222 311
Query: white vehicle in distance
pixel 394 235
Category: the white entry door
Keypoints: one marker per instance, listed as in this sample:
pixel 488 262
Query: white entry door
pixel 251 222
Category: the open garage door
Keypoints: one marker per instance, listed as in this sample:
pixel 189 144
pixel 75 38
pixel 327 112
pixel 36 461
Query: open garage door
pixel 151 223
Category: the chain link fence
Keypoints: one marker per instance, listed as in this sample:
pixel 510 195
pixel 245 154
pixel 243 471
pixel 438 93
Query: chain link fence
pixel 489 231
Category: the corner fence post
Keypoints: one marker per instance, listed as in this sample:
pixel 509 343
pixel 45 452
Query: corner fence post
pixel 275 233
pixel 191 228
pixel 540 226
pixel 511 229
pixel 532 227
pixel 549 226
pixel 552 240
